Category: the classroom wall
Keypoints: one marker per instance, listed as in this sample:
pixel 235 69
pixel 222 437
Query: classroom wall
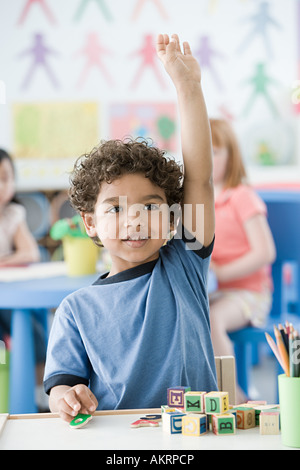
pixel 73 72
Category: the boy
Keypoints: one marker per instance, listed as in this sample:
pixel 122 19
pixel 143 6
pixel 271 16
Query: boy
pixel 144 327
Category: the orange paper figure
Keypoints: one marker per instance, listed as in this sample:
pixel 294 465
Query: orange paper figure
pixel 140 5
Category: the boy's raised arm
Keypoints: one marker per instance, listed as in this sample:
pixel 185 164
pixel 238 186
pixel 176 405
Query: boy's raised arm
pixel 185 73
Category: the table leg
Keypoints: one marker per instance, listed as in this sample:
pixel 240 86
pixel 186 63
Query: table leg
pixel 22 364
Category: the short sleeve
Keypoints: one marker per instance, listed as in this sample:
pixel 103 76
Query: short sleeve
pixel 67 362
pixel 247 203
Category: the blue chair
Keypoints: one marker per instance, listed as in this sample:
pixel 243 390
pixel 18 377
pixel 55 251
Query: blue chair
pixel 37 212
pixel 284 220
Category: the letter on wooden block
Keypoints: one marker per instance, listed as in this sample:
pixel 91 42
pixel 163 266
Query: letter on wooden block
pixel 223 424
pixel 194 425
pixel 245 418
pixel 216 402
pixel 176 396
pixel 172 422
pixel 194 402
pixel 269 422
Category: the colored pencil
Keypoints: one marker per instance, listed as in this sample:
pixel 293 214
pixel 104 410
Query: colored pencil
pixel 282 351
pixel 285 348
pixel 294 358
pixel 274 348
pixel 284 335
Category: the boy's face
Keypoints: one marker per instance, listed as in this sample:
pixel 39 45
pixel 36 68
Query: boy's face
pixel 131 219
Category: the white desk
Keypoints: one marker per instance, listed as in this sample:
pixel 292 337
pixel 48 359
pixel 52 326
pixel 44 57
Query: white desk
pixel 113 432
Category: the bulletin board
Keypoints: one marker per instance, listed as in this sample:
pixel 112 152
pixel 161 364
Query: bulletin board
pixel 74 72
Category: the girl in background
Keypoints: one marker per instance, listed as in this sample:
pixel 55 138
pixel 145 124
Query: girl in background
pixel 18 246
pixel 243 250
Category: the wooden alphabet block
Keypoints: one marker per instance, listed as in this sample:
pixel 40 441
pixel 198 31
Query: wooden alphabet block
pixel 176 396
pixel 172 422
pixel 245 418
pixel 194 425
pixel 269 422
pixel 167 409
pixel 194 402
pixel 216 402
pixel 223 424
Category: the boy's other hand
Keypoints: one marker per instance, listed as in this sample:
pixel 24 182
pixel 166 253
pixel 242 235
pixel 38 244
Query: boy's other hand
pixel 181 66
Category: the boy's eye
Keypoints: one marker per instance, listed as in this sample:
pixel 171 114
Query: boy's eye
pixel 152 207
pixel 115 209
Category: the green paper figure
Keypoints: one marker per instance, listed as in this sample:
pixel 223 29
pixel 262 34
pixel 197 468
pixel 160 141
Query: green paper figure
pixel 101 5
pixel 260 83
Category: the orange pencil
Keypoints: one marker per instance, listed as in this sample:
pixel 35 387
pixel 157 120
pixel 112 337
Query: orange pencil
pixel 274 348
pixel 282 351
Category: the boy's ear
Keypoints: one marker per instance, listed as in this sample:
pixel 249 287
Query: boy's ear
pixel 89 223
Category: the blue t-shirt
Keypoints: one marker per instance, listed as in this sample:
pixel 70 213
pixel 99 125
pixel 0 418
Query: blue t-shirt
pixel 131 336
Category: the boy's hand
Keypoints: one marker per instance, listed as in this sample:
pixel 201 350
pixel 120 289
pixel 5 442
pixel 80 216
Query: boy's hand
pixel 182 67
pixel 78 399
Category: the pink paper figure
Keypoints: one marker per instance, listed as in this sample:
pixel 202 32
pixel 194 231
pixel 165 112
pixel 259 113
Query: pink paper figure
pixel 149 59
pixel 140 4
pixel 44 6
pixel 205 55
pixel 94 51
pixel 39 52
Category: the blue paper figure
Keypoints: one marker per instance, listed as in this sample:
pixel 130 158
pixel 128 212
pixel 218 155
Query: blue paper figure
pixel 206 54
pixel 39 52
pixel 262 20
pixel 101 5
pixel 260 82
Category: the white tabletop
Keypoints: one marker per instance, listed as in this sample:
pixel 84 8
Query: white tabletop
pixel 111 432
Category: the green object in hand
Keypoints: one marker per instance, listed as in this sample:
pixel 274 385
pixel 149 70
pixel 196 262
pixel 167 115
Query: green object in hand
pixel 80 420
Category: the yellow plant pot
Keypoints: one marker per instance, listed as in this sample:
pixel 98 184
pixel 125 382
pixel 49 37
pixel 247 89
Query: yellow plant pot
pixel 81 255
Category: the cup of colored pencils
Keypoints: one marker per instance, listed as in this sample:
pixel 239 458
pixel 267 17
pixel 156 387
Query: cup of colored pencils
pixel 286 347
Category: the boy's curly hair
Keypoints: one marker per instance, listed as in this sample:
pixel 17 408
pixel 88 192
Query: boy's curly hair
pixel 114 158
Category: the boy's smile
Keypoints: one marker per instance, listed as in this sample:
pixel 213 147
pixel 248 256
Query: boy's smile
pixel 131 219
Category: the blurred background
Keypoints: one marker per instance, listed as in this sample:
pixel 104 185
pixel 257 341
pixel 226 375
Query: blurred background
pixel 73 72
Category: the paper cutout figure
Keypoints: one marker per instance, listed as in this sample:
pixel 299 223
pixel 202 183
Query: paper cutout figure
pixel 206 54
pixel 140 4
pixel 101 4
pixel 93 50
pixel 262 20
pixel 260 82
pixel 44 6
pixel 149 59
pixel 39 51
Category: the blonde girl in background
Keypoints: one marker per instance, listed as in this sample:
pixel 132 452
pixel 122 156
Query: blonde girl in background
pixel 244 246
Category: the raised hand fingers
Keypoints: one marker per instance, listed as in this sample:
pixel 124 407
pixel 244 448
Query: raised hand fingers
pixel 187 48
